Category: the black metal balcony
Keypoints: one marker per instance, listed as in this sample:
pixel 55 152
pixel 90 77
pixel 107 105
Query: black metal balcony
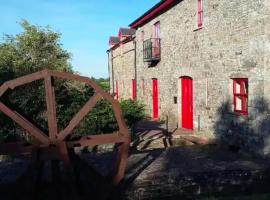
pixel 151 50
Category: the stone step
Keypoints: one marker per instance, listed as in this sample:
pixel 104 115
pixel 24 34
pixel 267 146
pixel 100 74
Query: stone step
pixel 181 131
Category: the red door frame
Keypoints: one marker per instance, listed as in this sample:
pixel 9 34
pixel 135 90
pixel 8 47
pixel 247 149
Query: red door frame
pixel 154 98
pixel 187 102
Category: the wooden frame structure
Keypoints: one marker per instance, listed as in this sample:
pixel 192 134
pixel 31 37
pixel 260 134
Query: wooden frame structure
pixel 54 144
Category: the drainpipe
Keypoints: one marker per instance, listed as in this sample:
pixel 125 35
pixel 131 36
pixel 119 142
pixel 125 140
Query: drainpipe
pixel 112 72
pixel 109 73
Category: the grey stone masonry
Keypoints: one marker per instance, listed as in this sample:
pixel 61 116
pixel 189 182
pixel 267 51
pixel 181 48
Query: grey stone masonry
pixel 122 69
pixel 232 43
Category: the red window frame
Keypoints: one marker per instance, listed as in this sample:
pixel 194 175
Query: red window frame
pixel 116 90
pixel 243 95
pixel 200 13
pixel 133 89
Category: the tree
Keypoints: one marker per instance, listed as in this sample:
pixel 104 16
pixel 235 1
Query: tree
pixel 35 49
pixel 104 83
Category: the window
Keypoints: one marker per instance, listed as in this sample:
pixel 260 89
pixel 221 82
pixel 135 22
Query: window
pixel 200 13
pixel 133 89
pixel 240 95
pixel 156 33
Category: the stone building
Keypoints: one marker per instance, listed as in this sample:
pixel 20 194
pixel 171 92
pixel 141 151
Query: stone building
pixel 204 64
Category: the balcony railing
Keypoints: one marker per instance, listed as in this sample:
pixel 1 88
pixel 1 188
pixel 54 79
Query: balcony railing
pixel 151 50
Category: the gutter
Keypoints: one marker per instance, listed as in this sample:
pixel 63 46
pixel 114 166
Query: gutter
pixel 153 12
pixel 109 70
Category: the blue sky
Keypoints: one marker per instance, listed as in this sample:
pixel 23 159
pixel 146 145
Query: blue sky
pixel 85 25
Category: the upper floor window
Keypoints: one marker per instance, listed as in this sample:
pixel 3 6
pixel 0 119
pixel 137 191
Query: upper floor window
pixel 156 33
pixel 151 46
pixel 240 95
pixel 200 13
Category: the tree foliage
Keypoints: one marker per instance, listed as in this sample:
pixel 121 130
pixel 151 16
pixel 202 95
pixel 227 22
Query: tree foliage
pixel 34 49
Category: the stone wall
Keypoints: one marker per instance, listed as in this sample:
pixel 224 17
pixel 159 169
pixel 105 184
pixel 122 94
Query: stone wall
pixel 123 69
pixel 233 42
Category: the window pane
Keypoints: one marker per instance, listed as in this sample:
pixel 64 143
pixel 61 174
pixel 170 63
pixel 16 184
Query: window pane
pixel 238 103
pixel 245 87
pixel 237 87
pixel 157 30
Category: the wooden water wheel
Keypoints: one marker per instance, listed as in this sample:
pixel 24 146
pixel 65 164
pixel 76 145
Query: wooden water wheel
pixel 54 145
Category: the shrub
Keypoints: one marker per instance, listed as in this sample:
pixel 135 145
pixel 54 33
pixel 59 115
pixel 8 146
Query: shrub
pixel 133 111
pixel 101 118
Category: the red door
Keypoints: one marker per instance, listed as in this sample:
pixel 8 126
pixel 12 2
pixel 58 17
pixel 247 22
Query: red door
pixel 133 89
pixel 187 103
pixel 155 98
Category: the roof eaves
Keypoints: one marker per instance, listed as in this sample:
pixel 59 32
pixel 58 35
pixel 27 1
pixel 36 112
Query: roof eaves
pixel 160 7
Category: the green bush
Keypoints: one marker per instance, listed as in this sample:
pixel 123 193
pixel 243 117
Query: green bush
pixel 101 118
pixel 133 111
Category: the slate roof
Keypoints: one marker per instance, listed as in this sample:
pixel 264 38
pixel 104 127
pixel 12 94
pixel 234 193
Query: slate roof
pixel 114 40
pixel 127 31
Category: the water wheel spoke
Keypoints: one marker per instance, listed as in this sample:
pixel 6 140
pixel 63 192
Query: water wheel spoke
pixel 51 109
pixel 24 123
pixel 79 116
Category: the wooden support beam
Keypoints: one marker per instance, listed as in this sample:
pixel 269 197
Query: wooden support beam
pixel 119 170
pixel 51 110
